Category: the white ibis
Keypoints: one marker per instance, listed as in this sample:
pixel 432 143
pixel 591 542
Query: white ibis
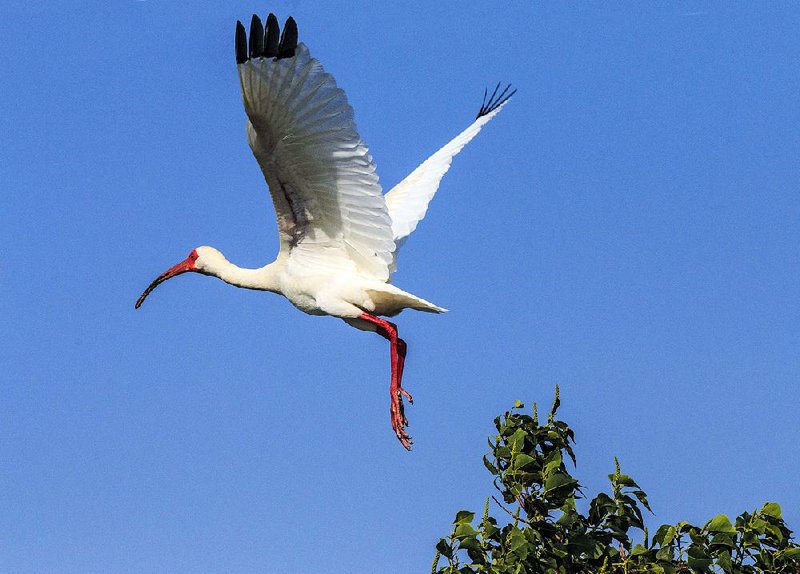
pixel 339 234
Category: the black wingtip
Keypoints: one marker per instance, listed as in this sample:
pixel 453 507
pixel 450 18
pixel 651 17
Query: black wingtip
pixel 272 36
pixel 266 40
pixel 495 100
pixel 256 37
pixel 241 43
pixel 288 42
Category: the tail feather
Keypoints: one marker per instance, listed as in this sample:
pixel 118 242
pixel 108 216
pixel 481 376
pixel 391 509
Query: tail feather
pixel 390 300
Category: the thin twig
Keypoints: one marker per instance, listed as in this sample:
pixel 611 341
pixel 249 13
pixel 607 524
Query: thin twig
pixel 513 515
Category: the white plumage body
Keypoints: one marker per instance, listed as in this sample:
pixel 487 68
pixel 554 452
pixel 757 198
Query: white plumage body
pixel 316 292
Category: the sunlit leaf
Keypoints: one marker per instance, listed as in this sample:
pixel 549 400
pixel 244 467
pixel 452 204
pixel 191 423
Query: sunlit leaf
pixel 720 523
pixel 464 516
pixel 772 509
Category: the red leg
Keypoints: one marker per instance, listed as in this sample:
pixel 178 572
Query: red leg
pixel 397 349
pixel 402 349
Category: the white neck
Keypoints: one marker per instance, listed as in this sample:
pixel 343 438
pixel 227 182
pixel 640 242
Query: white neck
pixel 262 279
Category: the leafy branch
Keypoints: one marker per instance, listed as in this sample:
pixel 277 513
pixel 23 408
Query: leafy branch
pixel 544 532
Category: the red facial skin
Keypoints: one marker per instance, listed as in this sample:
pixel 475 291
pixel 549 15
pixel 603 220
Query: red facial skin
pixel 388 331
pixel 187 264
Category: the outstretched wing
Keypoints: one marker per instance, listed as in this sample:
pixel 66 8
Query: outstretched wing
pixel 331 213
pixel 408 200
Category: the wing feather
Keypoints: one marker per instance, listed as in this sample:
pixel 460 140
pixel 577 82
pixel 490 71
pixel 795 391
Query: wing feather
pixel 408 201
pixel 329 205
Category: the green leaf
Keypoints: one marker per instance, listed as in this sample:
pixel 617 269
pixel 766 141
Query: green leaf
pixel 581 544
pixel 518 404
pixel 683 526
pixel 640 494
pixel 772 509
pixel 443 547
pixel 600 507
pixel 465 531
pixel 723 539
pixel 791 553
pixel 724 560
pixel 464 516
pixel 698 559
pixel 522 460
pixel 469 543
pixel 759 525
pixel 720 523
pixel 516 539
pixel 669 536
pixel 502 453
pixel 638 550
pixel 489 530
pixel 664 553
pixel 552 462
pixel 516 440
pixel 558 480
pixel 776 532
pixel 661 533
pixel 624 480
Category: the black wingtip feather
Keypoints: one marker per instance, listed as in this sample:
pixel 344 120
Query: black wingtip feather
pixel 495 100
pixel 288 42
pixel 272 37
pixel 256 37
pixel 241 43
pixel 266 40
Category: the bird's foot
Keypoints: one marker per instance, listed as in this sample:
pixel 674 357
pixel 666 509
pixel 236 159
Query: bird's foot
pixel 399 420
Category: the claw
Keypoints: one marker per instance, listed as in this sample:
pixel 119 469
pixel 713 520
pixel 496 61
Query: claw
pixel 399 420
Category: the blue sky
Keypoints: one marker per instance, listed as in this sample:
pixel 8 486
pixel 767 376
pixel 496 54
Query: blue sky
pixel 627 228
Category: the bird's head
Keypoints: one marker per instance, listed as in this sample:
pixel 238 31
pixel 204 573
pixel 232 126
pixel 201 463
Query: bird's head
pixel 205 260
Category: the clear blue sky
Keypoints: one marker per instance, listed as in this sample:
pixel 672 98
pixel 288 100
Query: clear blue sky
pixel 627 228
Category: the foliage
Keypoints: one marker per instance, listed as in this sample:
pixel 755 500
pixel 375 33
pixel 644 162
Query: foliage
pixel 546 533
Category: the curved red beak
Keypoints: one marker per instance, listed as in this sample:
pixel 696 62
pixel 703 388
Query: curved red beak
pixel 182 267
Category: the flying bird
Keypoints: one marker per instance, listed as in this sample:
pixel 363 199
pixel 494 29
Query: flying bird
pixel 339 234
